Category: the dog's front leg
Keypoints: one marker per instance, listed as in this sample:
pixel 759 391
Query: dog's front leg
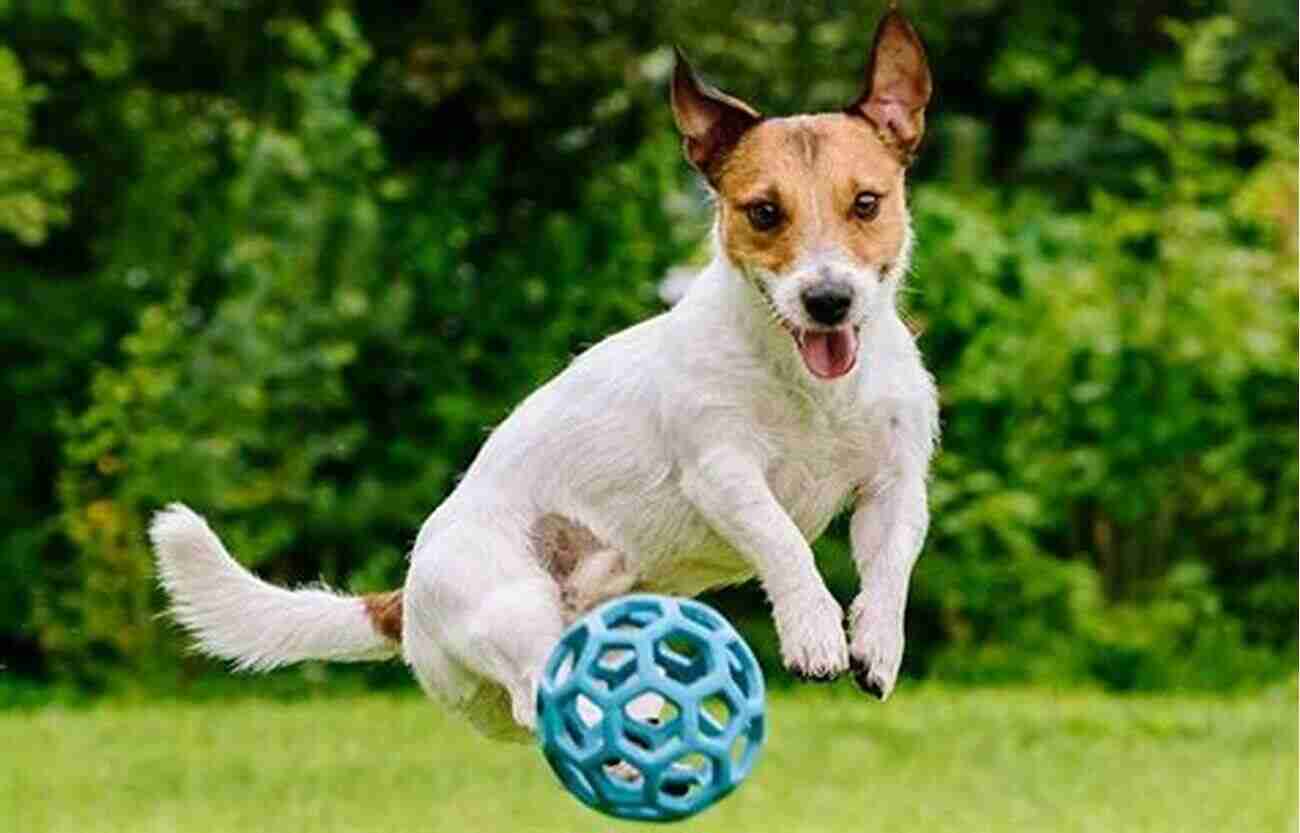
pixel 730 491
pixel 887 531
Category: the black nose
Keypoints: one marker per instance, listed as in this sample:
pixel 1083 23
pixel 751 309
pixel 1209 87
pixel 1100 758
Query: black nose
pixel 827 303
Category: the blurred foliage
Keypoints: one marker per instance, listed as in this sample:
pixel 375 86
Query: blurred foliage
pixel 34 181
pixel 287 261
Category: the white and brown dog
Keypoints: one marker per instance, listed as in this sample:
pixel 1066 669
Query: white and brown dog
pixel 700 448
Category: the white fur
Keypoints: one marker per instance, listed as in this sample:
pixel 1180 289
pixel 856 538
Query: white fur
pixel 696 447
pixel 238 617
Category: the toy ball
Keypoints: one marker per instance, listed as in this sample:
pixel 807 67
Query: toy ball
pixel 651 708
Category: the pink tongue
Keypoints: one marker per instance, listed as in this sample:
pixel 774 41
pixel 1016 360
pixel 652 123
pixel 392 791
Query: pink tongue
pixel 830 354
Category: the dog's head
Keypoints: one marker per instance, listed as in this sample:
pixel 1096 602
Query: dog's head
pixel 812 208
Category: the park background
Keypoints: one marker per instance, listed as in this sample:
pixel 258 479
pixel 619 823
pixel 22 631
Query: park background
pixel 289 261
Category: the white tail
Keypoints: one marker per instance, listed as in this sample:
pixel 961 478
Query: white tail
pixel 236 616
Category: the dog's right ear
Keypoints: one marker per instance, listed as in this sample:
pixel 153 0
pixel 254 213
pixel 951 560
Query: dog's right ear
pixel 711 122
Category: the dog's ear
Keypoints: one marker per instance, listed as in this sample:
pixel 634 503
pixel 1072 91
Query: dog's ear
pixel 898 86
pixel 711 122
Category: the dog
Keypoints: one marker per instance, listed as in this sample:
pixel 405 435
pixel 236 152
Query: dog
pixel 703 447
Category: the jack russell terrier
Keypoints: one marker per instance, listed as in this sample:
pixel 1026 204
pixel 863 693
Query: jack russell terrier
pixel 700 448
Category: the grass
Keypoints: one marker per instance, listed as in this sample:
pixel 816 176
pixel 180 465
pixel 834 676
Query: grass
pixel 931 760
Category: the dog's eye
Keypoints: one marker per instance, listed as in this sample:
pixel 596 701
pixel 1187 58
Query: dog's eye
pixel 764 216
pixel 866 205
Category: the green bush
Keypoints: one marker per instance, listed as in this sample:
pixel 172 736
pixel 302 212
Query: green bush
pixel 308 379
pixel 287 263
pixel 1123 395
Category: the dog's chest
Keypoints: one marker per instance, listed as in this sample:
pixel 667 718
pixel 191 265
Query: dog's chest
pixel 814 470
pixel 811 494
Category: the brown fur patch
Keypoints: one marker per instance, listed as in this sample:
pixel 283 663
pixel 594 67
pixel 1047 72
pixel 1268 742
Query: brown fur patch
pixel 813 167
pixel 807 143
pixel 385 612
pixel 560 544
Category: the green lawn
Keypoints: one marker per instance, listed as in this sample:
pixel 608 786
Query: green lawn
pixel 930 760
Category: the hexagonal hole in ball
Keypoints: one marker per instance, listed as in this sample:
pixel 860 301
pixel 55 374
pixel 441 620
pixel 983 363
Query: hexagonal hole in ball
pixel 635 615
pixel 621 775
pixel 579 716
pixel 651 720
pixel 683 657
pixel 615 665
pixel 686 776
pixel 716 714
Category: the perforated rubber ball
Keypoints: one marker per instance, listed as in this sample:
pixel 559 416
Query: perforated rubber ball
pixel 651 708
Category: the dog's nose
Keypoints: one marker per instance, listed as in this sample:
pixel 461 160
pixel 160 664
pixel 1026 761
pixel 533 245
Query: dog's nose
pixel 827 302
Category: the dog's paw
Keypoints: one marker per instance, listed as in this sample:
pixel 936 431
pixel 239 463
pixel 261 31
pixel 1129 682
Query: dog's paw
pixel 876 649
pixel 813 644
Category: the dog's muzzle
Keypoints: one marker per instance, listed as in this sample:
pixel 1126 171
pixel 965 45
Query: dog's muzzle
pixel 828 302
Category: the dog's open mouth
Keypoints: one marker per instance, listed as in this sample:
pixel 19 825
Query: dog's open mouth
pixel 828 354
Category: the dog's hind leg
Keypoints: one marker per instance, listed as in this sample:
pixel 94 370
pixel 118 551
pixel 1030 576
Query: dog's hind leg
pixel 479 594
pixel 598 577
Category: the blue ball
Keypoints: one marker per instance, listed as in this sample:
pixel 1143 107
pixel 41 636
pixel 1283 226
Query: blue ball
pixel 651 708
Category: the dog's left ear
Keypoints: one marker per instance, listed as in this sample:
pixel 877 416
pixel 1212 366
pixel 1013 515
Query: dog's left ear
pixel 898 86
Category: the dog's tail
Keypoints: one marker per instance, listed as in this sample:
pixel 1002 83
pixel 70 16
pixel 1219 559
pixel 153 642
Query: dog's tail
pixel 236 616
